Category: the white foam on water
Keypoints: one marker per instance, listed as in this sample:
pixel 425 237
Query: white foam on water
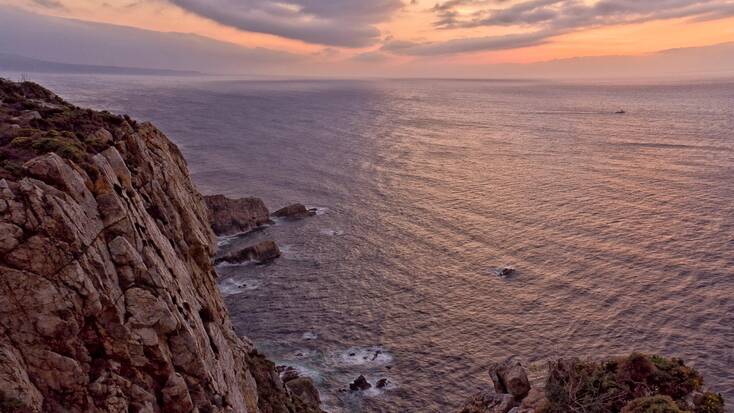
pixel 304 353
pixel 331 232
pixel 231 286
pixel 309 372
pixel 235 264
pixel 319 210
pixel 289 252
pixel 309 336
pixel 222 242
pixel 366 356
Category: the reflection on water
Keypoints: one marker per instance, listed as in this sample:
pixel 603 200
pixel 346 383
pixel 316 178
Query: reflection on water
pixel 619 226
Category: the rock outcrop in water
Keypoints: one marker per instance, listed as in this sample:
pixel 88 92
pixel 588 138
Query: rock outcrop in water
pixel 295 211
pixel 262 252
pixel 232 216
pixel 108 301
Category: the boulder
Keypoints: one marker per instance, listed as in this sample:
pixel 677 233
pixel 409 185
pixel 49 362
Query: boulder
pixel 359 384
pixel 487 402
pixel 533 401
pixel 304 389
pixel 232 216
pixel 289 373
pixel 295 211
pixel 382 383
pixel 509 376
pixel 28 116
pixel 101 136
pixel 263 252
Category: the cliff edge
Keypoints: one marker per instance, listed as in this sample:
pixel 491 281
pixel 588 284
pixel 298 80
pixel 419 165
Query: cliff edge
pixel 108 301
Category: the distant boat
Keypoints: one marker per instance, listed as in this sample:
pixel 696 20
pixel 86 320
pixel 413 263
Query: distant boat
pixel 620 112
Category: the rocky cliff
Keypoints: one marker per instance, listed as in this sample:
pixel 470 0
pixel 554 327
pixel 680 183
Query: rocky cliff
pixel 108 299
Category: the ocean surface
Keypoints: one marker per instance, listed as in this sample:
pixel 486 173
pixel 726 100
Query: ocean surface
pixel 620 226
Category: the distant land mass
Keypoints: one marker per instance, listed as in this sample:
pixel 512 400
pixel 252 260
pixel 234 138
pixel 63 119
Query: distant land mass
pixel 77 42
pixel 15 63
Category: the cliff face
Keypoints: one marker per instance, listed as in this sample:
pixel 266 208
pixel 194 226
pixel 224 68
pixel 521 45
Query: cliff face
pixel 108 299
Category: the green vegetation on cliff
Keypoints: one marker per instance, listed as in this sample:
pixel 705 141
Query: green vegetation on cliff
pixel 634 384
pixel 34 121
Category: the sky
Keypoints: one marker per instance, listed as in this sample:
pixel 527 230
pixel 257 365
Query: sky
pixel 416 37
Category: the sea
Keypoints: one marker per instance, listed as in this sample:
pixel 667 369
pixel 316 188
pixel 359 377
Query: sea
pixel 619 226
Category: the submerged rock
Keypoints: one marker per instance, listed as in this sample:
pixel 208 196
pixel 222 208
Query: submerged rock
pixel 265 251
pixel 382 383
pixel 232 216
pixel 505 271
pixel 360 384
pixel 295 211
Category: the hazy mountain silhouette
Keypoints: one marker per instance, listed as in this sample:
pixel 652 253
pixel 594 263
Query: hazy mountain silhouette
pixel 16 63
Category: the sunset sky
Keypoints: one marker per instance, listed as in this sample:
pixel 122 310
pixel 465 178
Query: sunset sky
pixel 402 32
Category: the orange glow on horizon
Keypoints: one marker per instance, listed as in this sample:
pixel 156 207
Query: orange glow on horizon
pixel 412 23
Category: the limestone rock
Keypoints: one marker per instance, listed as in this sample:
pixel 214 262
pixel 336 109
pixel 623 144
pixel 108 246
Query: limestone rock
pixel 231 216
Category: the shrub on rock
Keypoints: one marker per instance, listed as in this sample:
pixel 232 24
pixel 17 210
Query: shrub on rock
pixel 653 404
pixel 637 383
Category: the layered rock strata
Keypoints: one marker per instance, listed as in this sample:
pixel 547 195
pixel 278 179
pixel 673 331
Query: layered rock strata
pixel 108 301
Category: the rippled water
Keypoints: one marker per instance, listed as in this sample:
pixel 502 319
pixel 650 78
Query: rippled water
pixel 621 227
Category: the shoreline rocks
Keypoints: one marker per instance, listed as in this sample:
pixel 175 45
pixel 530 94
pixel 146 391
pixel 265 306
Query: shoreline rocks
pixel 305 389
pixel 302 387
pixel 509 376
pixel 360 384
pixel 511 386
pixel 233 216
pixel 263 252
pixel 294 212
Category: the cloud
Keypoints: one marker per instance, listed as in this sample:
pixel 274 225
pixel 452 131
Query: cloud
pixel 511 41
pixel 574 14
pixel 542 20
pixel 49 4
pixel 371 57
pixel 344 23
